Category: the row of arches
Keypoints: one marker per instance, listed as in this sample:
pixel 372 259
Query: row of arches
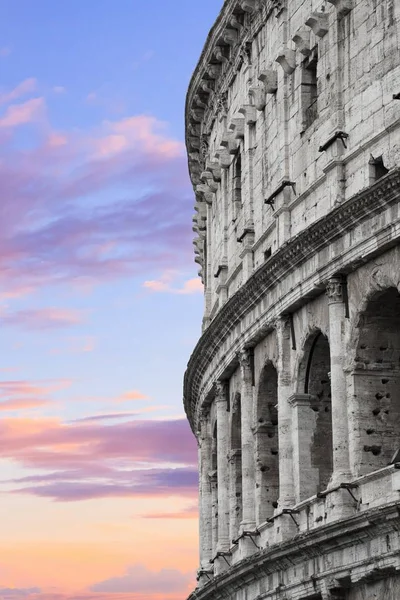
pixel 373 411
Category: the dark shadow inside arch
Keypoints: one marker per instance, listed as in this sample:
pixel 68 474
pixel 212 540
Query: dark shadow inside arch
pixel 266 444
pixel 235 461
pixel 376 382
pixel 314 416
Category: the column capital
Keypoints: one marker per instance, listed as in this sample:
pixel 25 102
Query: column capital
pixel 244 357
pixel 335 289
pixel 281 324
pixel 220 391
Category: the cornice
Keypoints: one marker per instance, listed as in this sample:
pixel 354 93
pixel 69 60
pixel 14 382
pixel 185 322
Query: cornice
pixel 225 50
pixel 290 256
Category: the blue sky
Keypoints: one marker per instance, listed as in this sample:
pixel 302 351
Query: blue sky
pixel 100 303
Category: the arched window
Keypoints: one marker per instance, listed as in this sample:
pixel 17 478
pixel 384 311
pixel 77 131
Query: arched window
pixel 375 420
pixel 235 475
pixel 318 386
pixel 266 444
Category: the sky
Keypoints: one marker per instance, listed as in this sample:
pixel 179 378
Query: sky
pixel 100 302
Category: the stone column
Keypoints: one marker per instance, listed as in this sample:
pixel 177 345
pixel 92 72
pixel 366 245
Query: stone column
pixel 205 500
pixel 340 432
pixel 222 467
pixel 214 497
pixel 286 487
pixel 305 476
pixel 248 463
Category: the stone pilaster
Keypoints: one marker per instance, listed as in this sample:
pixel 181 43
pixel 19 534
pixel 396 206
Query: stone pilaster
pixel 305 476
pixel 286 488
pixel 222 467
pixel 335 291
pixel 248 459
pixel 205 498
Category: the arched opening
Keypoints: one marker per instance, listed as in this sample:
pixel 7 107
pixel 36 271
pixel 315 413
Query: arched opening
pixel 266 444
pixel 235 475
pixel 312 419
pixel 376 384
pixel 318 386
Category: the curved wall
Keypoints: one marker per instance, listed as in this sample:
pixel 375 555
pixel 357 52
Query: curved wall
pixel 293 136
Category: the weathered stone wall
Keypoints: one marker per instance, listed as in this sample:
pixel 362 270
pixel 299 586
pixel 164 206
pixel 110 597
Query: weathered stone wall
pixel 293 135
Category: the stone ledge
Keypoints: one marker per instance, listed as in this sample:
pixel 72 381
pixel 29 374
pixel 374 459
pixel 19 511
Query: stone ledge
pixel 290 256
pixel 327 539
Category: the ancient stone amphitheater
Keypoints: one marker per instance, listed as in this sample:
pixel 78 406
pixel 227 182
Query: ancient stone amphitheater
pixel 293 390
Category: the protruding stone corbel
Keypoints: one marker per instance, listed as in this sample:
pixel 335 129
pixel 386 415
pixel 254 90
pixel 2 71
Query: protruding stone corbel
pixel 248 6
pixel 228 141
pixel 224 158
pixel 302 40
pixel 197 114
pixel 259 96
pixel 199 102
pixel 207 85
pixel 207 194
pixel 237 127
pixel 249 112
pixel 343 7
pixel 269 79
pixel 194 129
pixel 207 178
pixel 287 59
pixel 194 142
pixel 213 71
pixel 230 36
pixel 234 22
pixel 318 22
pixel 214 168
pixel 201 212
pixel 220 56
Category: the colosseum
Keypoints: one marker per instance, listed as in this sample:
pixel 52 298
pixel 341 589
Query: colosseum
pixel 293 390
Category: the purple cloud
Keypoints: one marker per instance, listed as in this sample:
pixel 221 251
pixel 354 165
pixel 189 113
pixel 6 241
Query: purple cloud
pixel 140 580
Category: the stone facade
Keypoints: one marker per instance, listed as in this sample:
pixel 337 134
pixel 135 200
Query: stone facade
pixel 293 390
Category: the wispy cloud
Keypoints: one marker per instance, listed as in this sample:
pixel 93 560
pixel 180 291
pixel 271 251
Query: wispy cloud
pixel 131 395
pixel 55 225
pixel 25 87
pixel 21 114
pixel 138 579
pixel 43 318
pixel 95 460
pixel 167 283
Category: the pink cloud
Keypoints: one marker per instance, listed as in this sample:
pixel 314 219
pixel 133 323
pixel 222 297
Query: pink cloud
pixel 25 87
pixel 21 114
pixel 167 284
pixel 87 460
pixel 138 579
pixel 190 512
pixel 22 403
pixel 52 229
pixel 43 318
pixel 131 395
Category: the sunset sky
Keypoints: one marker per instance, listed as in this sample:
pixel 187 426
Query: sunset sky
pixel 100 303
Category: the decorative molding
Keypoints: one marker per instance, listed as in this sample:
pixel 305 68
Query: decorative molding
pixel 290 256
pixel 220 391
pixel 335 289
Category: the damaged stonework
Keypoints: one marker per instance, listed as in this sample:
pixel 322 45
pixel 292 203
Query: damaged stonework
pixel 293 390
